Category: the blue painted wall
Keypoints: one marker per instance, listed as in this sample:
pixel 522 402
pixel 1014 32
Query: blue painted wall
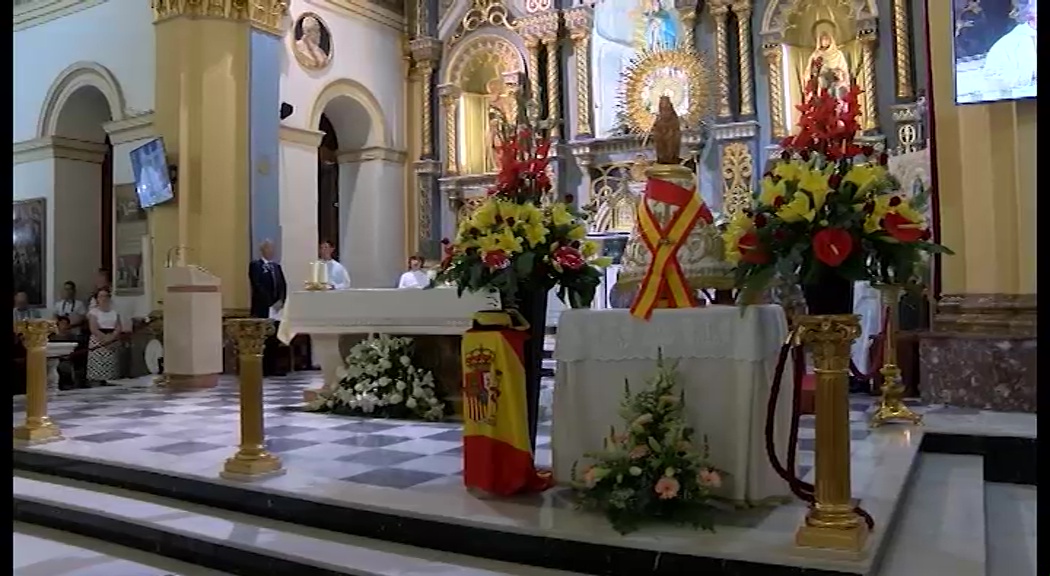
pixel 264 103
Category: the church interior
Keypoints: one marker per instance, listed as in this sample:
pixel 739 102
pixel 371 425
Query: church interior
pixel 241 348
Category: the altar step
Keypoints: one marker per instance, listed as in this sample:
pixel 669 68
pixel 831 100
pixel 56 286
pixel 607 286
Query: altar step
pixel 236 544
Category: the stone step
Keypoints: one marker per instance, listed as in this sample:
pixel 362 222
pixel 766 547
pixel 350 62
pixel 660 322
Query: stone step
pixel 234 542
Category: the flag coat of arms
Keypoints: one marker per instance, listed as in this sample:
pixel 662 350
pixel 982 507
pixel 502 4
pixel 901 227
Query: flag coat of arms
pixel 497 453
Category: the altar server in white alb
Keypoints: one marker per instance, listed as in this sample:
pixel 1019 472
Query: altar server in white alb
pixel 415 276
pixel 338 277
pixel 1011 63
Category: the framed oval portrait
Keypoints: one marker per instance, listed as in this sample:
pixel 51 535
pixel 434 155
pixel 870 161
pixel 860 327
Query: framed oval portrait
pixel 312 41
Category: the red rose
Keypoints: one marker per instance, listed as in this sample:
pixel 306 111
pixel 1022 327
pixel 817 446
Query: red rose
pixel 760 220
pixel 751 252
pixel 832 246
pixel 834 180
pixel 496 260
pixel 902 229
pixel 568 257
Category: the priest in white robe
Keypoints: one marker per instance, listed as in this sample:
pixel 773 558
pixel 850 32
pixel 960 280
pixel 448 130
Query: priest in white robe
pixel 1011 64
pixel 338 277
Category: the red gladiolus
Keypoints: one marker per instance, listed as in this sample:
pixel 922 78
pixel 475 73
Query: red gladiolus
pixel 832 246
pixel 751 252
pixel 495 260
pixel 569 258
pixel 902 229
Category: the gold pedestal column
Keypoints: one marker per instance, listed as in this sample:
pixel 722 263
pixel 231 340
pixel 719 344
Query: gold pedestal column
pixel 38 428
pixel 252 461
pixel 553 86
pixel 579 22
pixel 891 403
pixel 203 59
pixel 720 10
pixel 831 522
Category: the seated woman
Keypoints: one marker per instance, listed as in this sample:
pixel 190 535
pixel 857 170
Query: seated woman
pixel 104 345
pixel 415 277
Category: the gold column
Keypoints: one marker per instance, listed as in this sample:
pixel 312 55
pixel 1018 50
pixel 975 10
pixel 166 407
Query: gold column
pixel 553 85
pixel 581 47
pixel 425 54
pixel 719 12
pixel 743 37
pixel 449 95
pixel 38 427
pixel 532 45
pixel 867 68
pixel 891 404
pixel 831 521
pixel 252 461
pixel 203 58
pixel 774 60
pixel 902 50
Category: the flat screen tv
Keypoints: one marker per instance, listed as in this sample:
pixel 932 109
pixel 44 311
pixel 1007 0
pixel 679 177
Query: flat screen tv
pixel 149 164
pixel 994 50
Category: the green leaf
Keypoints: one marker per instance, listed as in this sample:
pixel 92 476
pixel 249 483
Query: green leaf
pixel 523 264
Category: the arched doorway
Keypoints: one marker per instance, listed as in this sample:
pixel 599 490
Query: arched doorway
pixel 83 189
pixel 328 186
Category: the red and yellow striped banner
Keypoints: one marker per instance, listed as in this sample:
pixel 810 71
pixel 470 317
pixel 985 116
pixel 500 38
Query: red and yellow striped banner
pixel 497 452
pixel 664 280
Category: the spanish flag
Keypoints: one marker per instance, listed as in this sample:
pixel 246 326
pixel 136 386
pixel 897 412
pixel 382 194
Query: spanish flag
pixel 497 454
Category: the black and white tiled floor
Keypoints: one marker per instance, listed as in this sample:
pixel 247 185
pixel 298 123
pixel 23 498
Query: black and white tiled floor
pixel 204 424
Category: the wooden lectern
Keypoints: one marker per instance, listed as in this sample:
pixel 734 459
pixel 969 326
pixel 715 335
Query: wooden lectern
pixel 192 328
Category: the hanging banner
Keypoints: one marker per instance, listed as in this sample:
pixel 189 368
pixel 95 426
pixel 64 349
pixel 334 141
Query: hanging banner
pixel 497 453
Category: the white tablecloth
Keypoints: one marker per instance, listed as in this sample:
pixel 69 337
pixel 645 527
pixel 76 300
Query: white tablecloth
pixel 726 362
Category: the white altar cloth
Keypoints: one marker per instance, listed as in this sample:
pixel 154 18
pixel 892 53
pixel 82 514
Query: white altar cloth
pixel 726 363
pixel 327 314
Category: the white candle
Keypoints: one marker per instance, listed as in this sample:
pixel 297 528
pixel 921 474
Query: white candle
pixel 319 274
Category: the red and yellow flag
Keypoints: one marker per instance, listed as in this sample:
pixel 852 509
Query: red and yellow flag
pixel 497 453
pixel 664 280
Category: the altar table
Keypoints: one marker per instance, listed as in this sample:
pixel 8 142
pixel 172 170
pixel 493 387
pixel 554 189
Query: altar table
pixel 726 363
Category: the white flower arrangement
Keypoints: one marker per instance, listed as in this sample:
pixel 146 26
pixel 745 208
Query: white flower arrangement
pixel 379 379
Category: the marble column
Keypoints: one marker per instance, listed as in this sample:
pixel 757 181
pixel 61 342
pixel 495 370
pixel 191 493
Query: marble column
pixel 298 202
pixel 204 59
pixel 370 206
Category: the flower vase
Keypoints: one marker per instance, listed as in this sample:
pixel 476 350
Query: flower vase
pixel 532 305
pixel 829 294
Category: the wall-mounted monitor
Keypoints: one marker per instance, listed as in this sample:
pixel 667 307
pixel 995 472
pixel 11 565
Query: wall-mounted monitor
pixel 994 50
pixel 149 164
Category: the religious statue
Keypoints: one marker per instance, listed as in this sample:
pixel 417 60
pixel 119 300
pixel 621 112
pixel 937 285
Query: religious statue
pixel 661 26
pixel 502 114
pixel 667 133
pixel 1011 62
pixel 313 42
pixel 833 72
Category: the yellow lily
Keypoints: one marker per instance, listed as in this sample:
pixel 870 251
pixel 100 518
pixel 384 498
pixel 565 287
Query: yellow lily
pixel 509 242
pixel 589 249
pixel 484 217
pixel 771 191
pixel 577 232
pixel 789 170
pixel 534 234
pixel 560 215
pixel 800 208
pixel 816 183
pixel 863 176
pixel 489 243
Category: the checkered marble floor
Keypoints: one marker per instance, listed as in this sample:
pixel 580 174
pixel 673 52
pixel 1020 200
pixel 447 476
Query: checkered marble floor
pixel 204 424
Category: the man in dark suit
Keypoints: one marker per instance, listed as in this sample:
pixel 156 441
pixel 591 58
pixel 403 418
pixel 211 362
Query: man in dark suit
pixel 268 293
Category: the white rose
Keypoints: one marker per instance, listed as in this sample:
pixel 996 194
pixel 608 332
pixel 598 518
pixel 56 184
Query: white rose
pixel 635 471
pixel 396 398
pixel 433 401
pixel 359 387
pixel 400 386
pixel 418 391
pixel 411 403
pixel 406 361
pixel 383 382
pixel 385 364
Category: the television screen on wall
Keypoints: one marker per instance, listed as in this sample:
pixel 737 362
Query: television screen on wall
pixel 994 50
pixel 149 164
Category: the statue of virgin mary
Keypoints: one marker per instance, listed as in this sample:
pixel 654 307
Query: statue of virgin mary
pixel 834 69
pixel 661 27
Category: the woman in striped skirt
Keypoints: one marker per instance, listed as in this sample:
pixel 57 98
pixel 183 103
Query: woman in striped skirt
pixel 104 345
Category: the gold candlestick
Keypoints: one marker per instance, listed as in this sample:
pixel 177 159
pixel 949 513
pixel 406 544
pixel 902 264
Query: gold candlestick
pixel 252 461
pixel 831 521
pixel 38 427
pixel 891 404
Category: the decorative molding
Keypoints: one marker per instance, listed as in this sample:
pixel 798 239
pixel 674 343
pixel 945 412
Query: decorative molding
pixel 372 153
pixel 40 12
pixel 57 147
pixel 990 315
pixel 372 11
pixel 301 136
pixel 266 15
pixel 130 129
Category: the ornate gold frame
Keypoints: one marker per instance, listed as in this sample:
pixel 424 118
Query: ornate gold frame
pixel 698 75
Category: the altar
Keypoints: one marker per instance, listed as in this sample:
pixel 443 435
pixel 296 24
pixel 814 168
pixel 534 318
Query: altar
pixel 726 359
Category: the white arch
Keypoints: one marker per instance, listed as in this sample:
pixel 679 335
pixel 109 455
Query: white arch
pixel 363 96
pixel 76 76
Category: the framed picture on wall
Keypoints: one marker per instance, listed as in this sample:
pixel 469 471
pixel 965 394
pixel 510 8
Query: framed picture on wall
pixel 131 225
pixel 29 249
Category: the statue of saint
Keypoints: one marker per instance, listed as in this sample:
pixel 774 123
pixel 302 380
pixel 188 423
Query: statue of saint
pixel 502 113
pixel 667 133
pixel 661 27
pixel 834 69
